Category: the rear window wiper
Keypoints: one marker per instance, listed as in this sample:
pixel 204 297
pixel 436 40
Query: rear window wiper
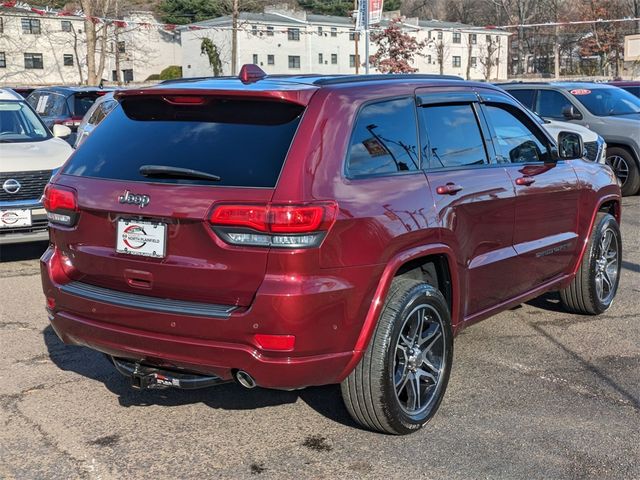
pixel 165 171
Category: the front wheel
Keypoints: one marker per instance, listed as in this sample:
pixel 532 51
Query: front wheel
pixel 625 168
pixel 400 381
pixel 594 287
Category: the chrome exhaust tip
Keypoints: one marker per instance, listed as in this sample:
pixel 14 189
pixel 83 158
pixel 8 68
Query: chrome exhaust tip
pixel 244 379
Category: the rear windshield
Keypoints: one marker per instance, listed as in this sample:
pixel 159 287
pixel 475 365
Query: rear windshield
pixel 243 142
pixel 82 102
pixel 48 104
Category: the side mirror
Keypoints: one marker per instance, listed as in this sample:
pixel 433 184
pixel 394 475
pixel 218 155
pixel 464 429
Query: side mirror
pixel 61 131
pixel 570 113
pixel 570 146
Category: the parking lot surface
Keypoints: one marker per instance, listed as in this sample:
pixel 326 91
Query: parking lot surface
pixel 534 393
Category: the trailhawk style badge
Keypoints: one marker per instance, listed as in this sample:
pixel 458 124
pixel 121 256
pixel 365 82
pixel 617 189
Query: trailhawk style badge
pixel 15 218
pixel 147 239
pixel 134 199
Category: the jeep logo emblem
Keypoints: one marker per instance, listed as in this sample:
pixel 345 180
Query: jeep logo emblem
pixel 134 199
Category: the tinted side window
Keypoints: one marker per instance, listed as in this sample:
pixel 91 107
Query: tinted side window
pixel 550 104
pixel 385 139
pixel 451 136
pixel 525 97
pixel 513 140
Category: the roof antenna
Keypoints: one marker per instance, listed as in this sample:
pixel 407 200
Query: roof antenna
pixel 250 73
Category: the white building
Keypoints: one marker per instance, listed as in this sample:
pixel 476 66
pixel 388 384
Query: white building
pixel 288 41
pixel 49 49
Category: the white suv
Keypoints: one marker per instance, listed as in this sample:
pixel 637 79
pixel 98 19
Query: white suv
pixel 30 156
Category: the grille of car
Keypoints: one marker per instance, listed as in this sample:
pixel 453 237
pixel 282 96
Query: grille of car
pixel 592 150
pixel 31 185
pixel 36 226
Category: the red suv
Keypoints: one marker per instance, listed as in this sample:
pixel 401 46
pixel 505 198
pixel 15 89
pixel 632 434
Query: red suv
pixel 293 231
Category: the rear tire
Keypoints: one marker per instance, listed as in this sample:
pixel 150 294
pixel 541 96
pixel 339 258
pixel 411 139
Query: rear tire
pixel 594 287
pixel 625 168
pixel 411 351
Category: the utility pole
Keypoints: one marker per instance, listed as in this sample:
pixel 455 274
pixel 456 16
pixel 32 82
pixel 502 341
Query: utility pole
pixel 356 38
pixel 366 36
pixel 556 54
pixel 234 38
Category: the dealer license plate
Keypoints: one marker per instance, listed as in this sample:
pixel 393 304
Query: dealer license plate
pixel 15 218
pixel 147 239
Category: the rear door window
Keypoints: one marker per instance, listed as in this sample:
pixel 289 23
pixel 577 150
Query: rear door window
pixel 82 102
pixel 451 136
pixel 525 97
pixel 384 140
pixel 244 142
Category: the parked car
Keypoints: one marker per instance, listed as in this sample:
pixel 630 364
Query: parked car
pixel 295 231
pixel 23 91
pixel 29 155
pixel 64 105
pixel 98 111
pixel 631 86
pixel 609 111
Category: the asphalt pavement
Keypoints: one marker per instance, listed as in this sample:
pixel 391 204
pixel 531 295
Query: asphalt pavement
pixel 534 393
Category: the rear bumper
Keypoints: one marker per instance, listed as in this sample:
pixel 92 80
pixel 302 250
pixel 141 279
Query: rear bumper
pixel 220 346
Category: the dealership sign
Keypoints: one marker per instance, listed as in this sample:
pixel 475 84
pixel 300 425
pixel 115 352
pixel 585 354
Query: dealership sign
pixel 375 13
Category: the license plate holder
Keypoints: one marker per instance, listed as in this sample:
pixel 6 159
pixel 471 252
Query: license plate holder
pixel 142 238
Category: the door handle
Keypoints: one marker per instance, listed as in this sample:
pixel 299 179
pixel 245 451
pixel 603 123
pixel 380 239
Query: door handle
pixel 448 189
pixel 525 181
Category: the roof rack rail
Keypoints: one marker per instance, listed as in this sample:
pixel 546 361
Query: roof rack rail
pixel 378 77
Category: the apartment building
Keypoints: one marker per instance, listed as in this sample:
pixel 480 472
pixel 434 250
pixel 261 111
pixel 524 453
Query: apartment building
pixel 50 49
pixel 290 42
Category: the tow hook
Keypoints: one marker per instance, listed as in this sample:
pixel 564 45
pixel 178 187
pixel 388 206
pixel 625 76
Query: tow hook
pixel 147 377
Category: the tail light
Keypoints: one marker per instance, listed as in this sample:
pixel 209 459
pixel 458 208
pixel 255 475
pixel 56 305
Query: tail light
pixel 286 226
pixel 61 204
pixel 73 122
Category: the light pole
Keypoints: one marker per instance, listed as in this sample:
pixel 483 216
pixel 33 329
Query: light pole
pixel 366 36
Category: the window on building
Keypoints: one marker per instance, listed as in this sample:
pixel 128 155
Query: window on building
pixel 473 38
pixel 67 60
pixel 1 25
pixel 429 34
pixel 474 62
pixel 334 32
pixel 457 61
pixel 353 60
pixel 293 34
pixel 320 59
pixel 439 35
pixel 352 36
pixel 457 37
pixel 488 38
pixel 384 139
pixel 271 60
pixel 3 60
pixel 451 137
pixel 122 48
pixel 334 59
pixel 127 75
pixel 294 61
pixel 319 30
pixel 31 25
pixel 255 59
pixel 33 61
pixel 254 29
pixel 65 25
pixel 269 31
pixel 429 59
pixel 114 75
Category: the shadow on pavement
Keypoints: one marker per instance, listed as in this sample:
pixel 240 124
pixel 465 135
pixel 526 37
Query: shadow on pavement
pixel 89 363
pixel 22 251
pixel 549 301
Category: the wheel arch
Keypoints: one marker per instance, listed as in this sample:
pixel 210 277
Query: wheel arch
pixel 408 263
pixel 625 146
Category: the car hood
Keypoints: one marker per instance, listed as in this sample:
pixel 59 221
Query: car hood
pixel 45 155
pixel 554 127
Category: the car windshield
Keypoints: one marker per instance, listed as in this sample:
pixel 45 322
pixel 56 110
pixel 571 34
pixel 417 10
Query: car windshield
pixel 18 123
pixel 605 102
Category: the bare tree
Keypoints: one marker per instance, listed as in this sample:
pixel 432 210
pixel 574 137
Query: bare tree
pixel 489 57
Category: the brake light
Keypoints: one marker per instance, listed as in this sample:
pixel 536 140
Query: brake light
pixel 61 204
pixel 185 100
pixel 292 226
pixel 69 122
